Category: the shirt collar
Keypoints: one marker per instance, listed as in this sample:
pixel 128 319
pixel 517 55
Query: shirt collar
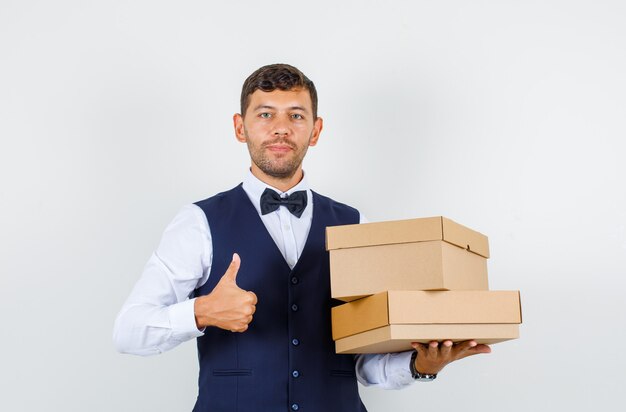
pixel 255 187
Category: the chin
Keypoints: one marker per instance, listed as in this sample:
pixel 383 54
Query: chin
pixel 280 173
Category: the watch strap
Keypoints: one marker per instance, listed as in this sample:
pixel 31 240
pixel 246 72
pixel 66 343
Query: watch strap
pixel 427 377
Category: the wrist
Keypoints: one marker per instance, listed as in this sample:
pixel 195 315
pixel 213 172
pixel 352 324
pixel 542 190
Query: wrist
pixel 199 308
pixel 420 375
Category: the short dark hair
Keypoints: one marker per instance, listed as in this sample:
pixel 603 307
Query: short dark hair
pixel 277 76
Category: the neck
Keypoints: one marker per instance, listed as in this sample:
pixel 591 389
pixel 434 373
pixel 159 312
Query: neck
pixel 282 184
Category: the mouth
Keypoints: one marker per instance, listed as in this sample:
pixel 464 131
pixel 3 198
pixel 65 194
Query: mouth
pixel 279 148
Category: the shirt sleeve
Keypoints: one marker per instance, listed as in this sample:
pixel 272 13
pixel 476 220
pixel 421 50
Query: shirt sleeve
pixel 158 315
pixel 385 370
pixel 388 370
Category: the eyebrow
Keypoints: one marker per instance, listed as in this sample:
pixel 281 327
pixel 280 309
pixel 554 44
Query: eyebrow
pixel 262 106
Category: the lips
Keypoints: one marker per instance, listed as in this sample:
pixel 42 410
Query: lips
pixel 279 147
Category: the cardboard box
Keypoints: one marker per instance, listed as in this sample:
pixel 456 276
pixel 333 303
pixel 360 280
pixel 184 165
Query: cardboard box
pixel 390 321
pixel 417 254
pixel 398 338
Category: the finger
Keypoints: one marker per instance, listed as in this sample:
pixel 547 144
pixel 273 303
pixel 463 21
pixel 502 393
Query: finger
pixel 469 348
pixel 446 348
pixel 420 348
pixel 248 310
pixel 233 268
pixel 465 345
pixel 433 348
pixel 253 298
pixel 481 348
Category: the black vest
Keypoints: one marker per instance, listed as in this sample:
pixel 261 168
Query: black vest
pixel 286 359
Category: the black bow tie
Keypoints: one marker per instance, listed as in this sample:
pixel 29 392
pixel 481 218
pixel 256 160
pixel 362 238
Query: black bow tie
pixel 295 202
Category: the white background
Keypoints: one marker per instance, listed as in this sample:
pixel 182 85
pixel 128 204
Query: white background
pixel 508 117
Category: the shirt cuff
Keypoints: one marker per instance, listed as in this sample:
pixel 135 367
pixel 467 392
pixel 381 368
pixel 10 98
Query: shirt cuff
pixel 399 368
pixel 384 370
pixel 183 321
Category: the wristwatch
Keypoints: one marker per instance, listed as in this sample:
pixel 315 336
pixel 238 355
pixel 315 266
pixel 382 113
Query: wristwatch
pixel 418 376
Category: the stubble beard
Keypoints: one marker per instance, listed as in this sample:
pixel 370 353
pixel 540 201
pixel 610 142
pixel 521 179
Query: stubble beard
pixel 282 167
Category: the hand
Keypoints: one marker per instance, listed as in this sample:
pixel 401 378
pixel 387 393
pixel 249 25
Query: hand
pixel 432 357
pixel 227 306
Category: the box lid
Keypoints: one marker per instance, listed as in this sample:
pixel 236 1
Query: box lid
pixel 406 231
pixel 426 307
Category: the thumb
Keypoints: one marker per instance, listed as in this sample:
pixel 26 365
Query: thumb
pixel 231 272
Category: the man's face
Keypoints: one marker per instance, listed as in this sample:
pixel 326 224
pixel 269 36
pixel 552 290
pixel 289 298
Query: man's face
pixel 278 128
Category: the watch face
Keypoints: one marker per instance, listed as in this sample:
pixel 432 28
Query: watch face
pixel 426 378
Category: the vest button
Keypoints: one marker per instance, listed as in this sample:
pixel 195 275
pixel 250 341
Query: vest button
pixel 295 281
pixel 295 406
pixel 295 374
pixel 294 307
pixel 295 342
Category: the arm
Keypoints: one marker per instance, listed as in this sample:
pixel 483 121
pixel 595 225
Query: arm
pixel 157 316
pixel 385 370
pixel 392 370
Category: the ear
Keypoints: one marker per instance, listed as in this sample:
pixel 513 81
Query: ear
pixel 317 129
pixel 240 133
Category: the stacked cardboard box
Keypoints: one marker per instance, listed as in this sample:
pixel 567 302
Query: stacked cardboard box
pixel 414 281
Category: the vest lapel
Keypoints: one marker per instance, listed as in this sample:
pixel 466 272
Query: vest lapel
pixel 260 226
pixel 313 240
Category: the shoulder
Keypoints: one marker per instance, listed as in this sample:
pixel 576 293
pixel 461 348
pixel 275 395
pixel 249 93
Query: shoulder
pixel 184 235
pixel 189 215
pixel 334 207
pixel 219 200
pixel 332 203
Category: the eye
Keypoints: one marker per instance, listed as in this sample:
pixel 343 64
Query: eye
pixel 297 116
pixel 265 115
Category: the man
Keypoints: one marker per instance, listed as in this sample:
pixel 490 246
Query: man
pixel 253 263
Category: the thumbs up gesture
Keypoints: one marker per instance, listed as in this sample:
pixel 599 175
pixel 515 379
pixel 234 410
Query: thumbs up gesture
pixel 227 306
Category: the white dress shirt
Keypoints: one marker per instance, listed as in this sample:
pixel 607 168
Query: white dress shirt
pixel 158 315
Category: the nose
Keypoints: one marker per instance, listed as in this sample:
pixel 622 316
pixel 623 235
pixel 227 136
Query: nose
pixel 281 127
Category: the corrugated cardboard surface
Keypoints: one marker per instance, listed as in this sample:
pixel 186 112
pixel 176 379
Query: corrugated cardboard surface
pixel 398 338
pixel 433 265
pixel 496 306
pixel 465 237
pixel 406 231
pixel 424 307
